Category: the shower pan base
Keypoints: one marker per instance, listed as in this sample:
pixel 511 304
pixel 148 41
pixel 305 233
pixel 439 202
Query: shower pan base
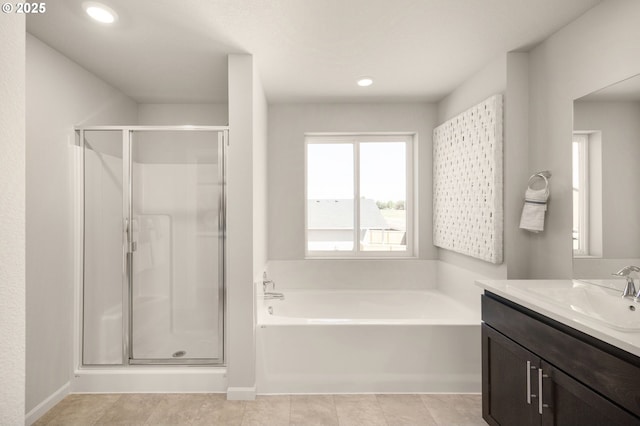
pixel 150 379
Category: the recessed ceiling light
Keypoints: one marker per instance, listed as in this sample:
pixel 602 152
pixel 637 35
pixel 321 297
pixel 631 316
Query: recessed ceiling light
pixel 365 81
pixel 100 12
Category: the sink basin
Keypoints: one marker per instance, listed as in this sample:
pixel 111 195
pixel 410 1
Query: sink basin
pixel 596 302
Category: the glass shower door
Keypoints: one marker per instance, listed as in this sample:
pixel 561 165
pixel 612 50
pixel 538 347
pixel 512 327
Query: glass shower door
pixel 102 309
pixel 174 250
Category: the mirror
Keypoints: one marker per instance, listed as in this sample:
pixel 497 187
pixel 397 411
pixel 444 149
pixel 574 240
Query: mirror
pixel 606 180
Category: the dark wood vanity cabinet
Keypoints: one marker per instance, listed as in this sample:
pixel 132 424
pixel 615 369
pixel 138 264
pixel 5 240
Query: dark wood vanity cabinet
pixel 536 371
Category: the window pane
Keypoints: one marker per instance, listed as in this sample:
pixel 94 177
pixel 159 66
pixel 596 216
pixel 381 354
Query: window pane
pixel 383 195
pixel 330 207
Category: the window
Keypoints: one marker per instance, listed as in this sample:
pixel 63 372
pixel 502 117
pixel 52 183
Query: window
pixel 359 195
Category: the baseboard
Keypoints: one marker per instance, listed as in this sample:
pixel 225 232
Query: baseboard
pixel 46 405
pixel 241 394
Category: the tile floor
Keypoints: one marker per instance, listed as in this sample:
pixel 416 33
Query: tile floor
pixel 214 409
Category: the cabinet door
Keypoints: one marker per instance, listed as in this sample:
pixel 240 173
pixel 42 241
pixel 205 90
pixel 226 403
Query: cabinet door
pixel 567 402
pixel 509 381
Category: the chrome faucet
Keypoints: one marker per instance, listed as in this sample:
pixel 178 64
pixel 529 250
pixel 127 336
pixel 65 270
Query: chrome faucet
pixel 270 295
pixel 266 282
pixel 629 288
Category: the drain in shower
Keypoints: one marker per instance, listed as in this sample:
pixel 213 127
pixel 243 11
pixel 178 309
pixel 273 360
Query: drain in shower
pixel 179 354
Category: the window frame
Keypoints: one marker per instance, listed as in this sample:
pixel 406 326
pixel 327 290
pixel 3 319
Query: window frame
pixel 355 139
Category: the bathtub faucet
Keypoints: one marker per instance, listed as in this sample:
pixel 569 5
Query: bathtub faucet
pixel 266 282
pixel 270 295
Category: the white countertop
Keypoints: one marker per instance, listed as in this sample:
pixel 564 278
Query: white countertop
pixel 511 290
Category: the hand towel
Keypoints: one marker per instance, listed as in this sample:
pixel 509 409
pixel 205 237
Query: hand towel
pixel 535 206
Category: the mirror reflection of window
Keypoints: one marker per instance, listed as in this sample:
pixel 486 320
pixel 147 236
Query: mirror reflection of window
pixel 580 160
pixel 609 119
pixel 587 193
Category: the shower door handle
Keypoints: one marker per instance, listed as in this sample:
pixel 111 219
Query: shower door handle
pixel 131 245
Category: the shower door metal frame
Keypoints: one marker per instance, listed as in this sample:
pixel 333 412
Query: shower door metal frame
pixel 129 244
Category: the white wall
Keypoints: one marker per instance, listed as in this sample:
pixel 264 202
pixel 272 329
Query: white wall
pixel 516 170
pixel 179 114
pixel 508 75
pixel 12 220
pixel 240 292
pixel 260 119
pixel 287 125
pixel 60 95
pixel 396 274
pixel 490 80
pixel 599 48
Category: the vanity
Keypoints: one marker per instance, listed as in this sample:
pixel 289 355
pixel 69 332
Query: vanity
pixel 559 352
pixel 567 352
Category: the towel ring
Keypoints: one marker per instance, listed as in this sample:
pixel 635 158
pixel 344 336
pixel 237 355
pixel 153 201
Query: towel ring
pixel 542 175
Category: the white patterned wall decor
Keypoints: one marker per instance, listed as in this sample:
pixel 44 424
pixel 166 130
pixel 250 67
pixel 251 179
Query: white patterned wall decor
pixel 467 182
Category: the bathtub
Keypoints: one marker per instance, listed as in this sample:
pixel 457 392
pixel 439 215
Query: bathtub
pixel 358 341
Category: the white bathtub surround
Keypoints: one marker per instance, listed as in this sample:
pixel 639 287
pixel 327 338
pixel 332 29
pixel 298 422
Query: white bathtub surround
pixel 358 341
pixel 396 274
pixel 459 283
pixel 354 274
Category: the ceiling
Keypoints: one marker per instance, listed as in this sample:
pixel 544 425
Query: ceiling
pixel 626 90
pixel 162 51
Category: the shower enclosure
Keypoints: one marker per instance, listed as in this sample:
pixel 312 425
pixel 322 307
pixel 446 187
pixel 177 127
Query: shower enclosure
pixel 153 207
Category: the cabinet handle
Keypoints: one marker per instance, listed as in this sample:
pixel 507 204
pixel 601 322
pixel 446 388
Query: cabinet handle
pixel 529 394
pixel 541 375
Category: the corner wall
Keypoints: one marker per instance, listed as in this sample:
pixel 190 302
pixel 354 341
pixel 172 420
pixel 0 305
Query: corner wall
pixel 491 80
pixel 60 95
pixel 245 234
pixel 260 201
pixel 12 220
pixel 598 49
pixel 507 74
